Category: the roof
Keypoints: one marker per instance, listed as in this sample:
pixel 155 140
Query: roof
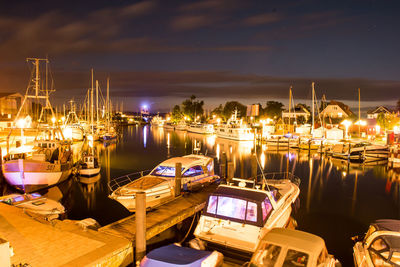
pixel 380 109
pixel 344 107
pixel 10 94
pixel 241 192
pixel 296 239
pixel 176 255
pixel 186 161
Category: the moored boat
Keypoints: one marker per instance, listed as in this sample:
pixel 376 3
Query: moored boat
pixel 201 128
pixel 159 185
pixel 35 203
pixel 235 217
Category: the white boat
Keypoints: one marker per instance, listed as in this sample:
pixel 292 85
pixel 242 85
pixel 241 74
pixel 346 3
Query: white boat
pixel 157 121
pixel 234 129
pixel 181 126
pixel 201 128
pixel 73 132
pixel 360 152
pixel 89 166
pixel 197 172
pixel 380 246
pixel 288 247
pixel 235 218
pixel 169 126
pixel 49 163
pixel 35 203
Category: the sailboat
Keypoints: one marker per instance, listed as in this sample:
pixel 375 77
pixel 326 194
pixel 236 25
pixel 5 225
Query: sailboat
pixel 72 129
pixel 50 161
pixel 89 165
pixel 110 134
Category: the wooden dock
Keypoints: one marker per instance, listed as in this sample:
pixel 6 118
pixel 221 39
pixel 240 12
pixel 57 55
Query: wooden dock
pixel 163 217
pixel 59 243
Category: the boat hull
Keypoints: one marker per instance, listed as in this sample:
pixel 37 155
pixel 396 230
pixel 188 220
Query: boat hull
pixel 30 176
pixel 89 172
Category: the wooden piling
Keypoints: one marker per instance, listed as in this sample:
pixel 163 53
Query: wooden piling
pixel 223 165
pixel 254 166
pixel 231 172
pixel 178 178
pixel 140 240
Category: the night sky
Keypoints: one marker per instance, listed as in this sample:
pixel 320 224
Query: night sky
pixel 161 52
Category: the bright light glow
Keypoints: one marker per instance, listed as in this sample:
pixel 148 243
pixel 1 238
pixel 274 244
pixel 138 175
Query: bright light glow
pixel 214 116
pixel 262 159
pixel 346 124
pixel 360 122
pixel 53 120
pixel 144 106
pixel 21 123
pixel 67 132
pixel 377 129
pixel 219 120
pixel 396 129
pixel 62 118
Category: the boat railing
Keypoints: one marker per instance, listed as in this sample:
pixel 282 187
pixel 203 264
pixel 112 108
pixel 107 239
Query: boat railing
pixel 278 176
pixel 117 182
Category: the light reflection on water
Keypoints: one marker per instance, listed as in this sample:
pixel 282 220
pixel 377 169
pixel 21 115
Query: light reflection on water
pixel 338 199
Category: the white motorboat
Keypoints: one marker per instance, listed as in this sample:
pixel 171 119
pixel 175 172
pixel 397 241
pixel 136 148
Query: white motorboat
pixel 235 129
pixel 35 203
pixel 181 126
pixel 235 218
pixel 360 152
pixel 197 172
pixel 201 128
pixel 169 126
pixel 89 166
pixel 288 247
pixel 49 163
pixel 380 246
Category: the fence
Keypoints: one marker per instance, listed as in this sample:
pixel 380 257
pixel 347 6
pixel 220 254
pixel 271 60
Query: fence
pixel 115 183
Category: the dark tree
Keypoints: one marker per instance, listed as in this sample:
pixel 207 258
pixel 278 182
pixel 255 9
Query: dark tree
pixel 218 111
pixel 192 107
pixel 177 113
pixel 273 109
pixel 231 106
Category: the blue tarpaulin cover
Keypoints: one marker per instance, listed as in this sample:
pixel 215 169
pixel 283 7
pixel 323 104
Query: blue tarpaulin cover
pixel 176 255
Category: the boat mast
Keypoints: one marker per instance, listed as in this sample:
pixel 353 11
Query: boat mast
pixel 108 105
pixel 290 104
pixel 97 103
pixel 92 104
pixel 313 92
pixel 359 113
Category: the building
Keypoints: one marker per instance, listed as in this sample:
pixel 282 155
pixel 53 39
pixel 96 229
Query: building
pixel 297 112
pixel 373 114
pixel 336 110
pixel 10 103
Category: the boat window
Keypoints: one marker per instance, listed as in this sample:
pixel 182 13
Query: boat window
pixel 212 204
pixel 193 171
pixel 18 198
pixel 322 256
pixel 266 208
pixel 295 258
pixel 231 207
pixel 164 171
pixel 266 255
pixel 210 166
pixel 251 212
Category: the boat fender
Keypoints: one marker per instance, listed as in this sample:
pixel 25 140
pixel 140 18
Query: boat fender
pixel 198 244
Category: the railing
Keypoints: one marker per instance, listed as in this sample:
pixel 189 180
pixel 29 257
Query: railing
pixel 278 176
pixel 116 183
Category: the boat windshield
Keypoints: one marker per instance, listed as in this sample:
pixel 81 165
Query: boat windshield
pixel 232 208
pixel 164 171
pixel 266 255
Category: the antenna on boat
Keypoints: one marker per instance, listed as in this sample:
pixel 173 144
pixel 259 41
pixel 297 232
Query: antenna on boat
pixel 262 173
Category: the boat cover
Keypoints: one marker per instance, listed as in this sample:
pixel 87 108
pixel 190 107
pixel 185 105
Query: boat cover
pixel 389 225
pixel 173 255
pixel 241 193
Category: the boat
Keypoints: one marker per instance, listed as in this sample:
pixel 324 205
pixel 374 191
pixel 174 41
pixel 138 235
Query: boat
pixel 159 185
pixel 282 141
pixel 394 156
pixel 72 128
pixel 288 247
pixel 235 129
pixel 201 128
pixel 169 125
pixel 360 152
pixel 35 203
pixel 181 126
pixel 89 166
pixel 176 255
pixel 50 161
pixel 48 164
pixel 380 246
pixel 157 121
pixel 236 217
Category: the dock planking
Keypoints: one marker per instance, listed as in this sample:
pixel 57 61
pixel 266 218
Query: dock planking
pixel 163 217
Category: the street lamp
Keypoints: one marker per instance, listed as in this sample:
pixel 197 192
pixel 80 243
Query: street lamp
pixel 346 124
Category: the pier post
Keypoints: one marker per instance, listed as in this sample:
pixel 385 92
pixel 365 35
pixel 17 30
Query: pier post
pixel 231 171
pixel 254 166
pixel 140 238
pixel 223 165
pixel 178 179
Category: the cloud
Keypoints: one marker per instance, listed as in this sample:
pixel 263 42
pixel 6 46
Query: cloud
pixel 262 19
pixel 190 22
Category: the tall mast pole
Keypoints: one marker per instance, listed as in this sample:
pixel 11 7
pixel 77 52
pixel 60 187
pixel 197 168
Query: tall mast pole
pixel 108 105
pixel 313 96
pixel 97 102
pixel 290 104
pixel 359 113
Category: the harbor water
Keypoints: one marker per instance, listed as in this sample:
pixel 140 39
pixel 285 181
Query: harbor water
pixel 338 199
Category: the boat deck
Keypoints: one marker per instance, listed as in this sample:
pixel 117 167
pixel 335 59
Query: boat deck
pixel 60 243
pixel 163 217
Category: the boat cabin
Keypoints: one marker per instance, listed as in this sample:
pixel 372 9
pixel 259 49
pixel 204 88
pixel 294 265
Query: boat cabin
pixel 239 205
pixel 89 162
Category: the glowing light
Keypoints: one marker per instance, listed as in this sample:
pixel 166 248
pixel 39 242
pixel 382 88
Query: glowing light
pixel 346 124
pixel 360 122
pixel 217 151
pixel 168 144
pixel 377 129
pixel 262 159
pixel 62 118
pixel 53 120
pixel 21 123
pixel 219 120
pixel 67 132
pixel 144 136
